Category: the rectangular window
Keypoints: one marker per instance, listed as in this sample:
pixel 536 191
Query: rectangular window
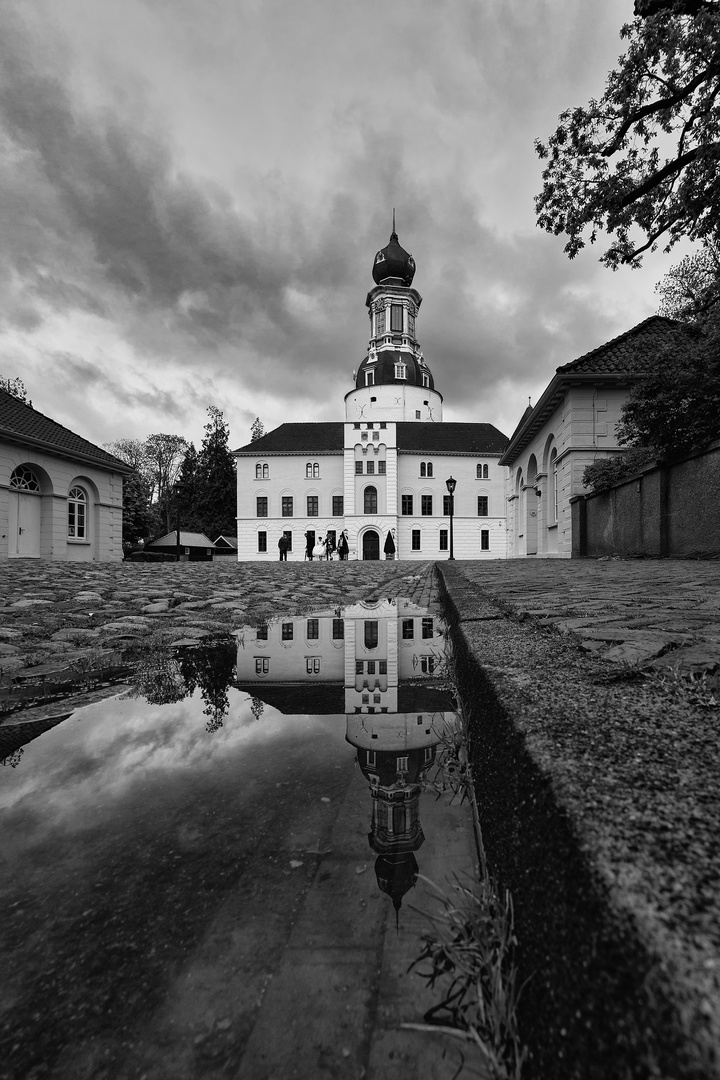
pixel 443 539
pixel 411 324
pixel 287 506
pixel 261 633
pixel 407 505
pixel 312 505
pixel 287 631
pixel 381 468
pixel 401 765
pixel 262 541
pixel 377 699
pixel 288 539
pixel 262 506
pixel 369 378
pixel 371 467
pixel 380 322
pixel 427 628
pixel 371 759
pixel 371 634
pixel 401 371
pixel 338 505
pixel 415 543
pixel 426 505
pixel 338 629
pixel 358 468
pixel 408 630
pixel 359 668
pixel 447 502
pixel 484 539
pixel 376 436
pixel 396 318
pixel 482 506
pixel 371 667
pixel 427 664
pixel 382 667
pixel 313 629
pixel 383 424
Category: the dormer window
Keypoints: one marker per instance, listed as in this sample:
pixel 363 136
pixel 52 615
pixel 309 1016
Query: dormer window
pixel 369 378
pixel 401 370
pixel 425 379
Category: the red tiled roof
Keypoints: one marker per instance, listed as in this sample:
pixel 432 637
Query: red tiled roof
pixel 632 353
pixel 27 425
pixel 412 437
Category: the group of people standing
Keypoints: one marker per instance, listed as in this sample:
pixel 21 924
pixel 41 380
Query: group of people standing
pixel 317 549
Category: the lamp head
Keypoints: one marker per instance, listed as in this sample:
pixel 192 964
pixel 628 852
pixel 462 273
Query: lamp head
pixel 450 484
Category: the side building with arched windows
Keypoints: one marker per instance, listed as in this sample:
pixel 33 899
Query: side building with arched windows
pixel 60 495
pixel 573 425
pixel 380 476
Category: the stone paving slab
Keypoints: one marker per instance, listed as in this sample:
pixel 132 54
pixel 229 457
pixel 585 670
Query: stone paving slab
pixel 596 763
pixel 668 606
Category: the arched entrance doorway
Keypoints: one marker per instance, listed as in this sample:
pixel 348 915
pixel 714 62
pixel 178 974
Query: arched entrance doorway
pixel 25 514
pixel 371 545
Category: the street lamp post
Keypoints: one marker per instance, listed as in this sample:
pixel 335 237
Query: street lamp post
pixel 450 484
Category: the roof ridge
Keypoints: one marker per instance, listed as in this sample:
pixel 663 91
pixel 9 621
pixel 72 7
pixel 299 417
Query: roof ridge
pixel 617 340
pixel 56 424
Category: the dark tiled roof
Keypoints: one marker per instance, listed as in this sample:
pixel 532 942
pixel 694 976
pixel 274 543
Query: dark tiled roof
pixel 450 438
pixel 307 698
pixel 28 425
pixel 422 438
pixel 632 353
pixel 299 438
pixel 384 370
pixel 227 541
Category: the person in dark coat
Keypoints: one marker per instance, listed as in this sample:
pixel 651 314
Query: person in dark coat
pixel 329 547
pixel 309 544
pixel 283 548
pixel 343 546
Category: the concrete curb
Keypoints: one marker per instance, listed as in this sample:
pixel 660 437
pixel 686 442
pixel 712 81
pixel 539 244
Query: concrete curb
pixel 614 990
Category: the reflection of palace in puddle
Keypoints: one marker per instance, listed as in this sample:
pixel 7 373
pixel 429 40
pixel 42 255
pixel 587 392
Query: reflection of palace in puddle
pixel 370 661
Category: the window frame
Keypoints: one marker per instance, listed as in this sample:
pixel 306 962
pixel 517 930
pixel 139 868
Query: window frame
pixel 77 514
pixel 416 540
pixel 370 497
pixel 426 506
pixel 338 505
pixel 406 505
pixel 287 505
pixel 312 501
pixel 258 511
pixel 483 506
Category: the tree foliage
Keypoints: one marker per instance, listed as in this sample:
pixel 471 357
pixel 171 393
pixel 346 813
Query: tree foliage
pixel 605 472
pixel 165 455
pixel 257 430
pixel 641 163
pixel 16 387
pixel 692 287
pixel 677 408
pixel 216 499
pixel 141 520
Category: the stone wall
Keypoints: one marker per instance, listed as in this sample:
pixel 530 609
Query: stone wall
pixel 665 509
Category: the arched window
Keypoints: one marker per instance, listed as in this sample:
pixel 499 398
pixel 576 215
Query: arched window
pixel 266 472
pixel 429 468
pixel 423 469
pixel 370 498
pixel 77 514
pixel 316 470
pixel 258 471
pixel 485 472
pixel 308 469
pixel 262 471
pixel 24 479
pixel 482 472
pixel 554 481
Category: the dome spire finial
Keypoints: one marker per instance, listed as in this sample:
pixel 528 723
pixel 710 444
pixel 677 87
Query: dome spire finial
pixel 393 232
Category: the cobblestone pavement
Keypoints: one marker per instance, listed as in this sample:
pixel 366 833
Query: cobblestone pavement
pixel 57 619
pixel 661 614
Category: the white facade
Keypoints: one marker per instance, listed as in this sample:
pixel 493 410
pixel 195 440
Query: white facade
pixel 56 507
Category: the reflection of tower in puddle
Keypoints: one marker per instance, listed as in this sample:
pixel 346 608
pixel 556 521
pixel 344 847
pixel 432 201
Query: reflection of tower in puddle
pixel 395 735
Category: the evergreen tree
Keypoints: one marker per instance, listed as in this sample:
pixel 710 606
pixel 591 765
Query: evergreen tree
pixel 187 496
pixel 257 430
pixel 215 486
pixel 140 517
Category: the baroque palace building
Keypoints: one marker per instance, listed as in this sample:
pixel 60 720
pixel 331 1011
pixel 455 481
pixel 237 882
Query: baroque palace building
pixel 382 472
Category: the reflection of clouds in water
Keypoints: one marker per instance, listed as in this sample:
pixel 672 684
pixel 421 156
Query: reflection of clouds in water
pixel 104 748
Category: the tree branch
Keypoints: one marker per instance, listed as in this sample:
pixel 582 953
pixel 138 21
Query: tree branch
pixel 658 106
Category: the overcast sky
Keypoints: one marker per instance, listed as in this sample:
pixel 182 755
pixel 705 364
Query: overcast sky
pixel 192 193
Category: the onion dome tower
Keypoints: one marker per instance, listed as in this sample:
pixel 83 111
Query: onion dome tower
pixel 393 381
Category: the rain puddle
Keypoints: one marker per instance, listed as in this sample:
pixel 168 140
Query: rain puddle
pixel 194 863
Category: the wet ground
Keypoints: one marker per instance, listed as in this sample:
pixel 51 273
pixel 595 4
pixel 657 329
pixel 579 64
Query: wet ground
pixel 223 866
